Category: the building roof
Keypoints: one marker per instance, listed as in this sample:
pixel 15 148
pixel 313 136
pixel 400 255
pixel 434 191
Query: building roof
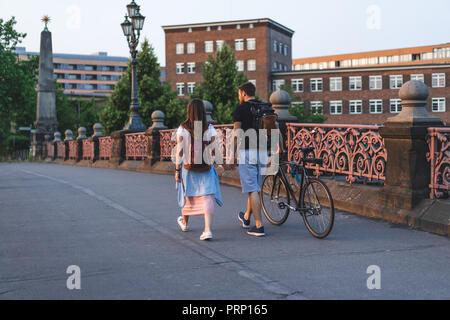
pixel 225 23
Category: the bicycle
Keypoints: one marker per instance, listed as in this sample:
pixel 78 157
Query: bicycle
pixel 315 203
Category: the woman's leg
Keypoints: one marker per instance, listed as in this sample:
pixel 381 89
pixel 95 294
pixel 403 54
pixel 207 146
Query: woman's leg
pixel 209 212
pixel 186 220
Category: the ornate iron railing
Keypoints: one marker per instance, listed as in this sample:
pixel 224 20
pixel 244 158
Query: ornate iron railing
pixel 355 151
pixel 60 149
pixel 72 150
pixel 105 148
pixel 87 149
pixel 136 146
pixel 439 158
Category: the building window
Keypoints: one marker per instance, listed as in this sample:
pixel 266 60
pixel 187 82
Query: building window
pixel 180 48
pixel 438 80
pixel 190 87
pixel 316 85
pixel 251 65
pixel 281 48
pixel 251 44
pixel 275 66
pixel 376 106
pixel 297 85
pixel 238 26
pixel 316 107
pixel 438 104
pixel 275 46
pixel 209 46
pixel 180 68
pixel 276 84
pixel 285 52
pixel 395 105
pixel 251 25
pixel 219 44
pixel 396 82
pixel 335 107
pixel 240 65
pixel 191 67
pixel 335 84
pixel 375 82
pixel 180 89
pixel 239 45
pixel 355 107
pixel 418 77
pixel 191 48
pixel 190 30
pixel 219 28
pixel 355 83
pixel 208 29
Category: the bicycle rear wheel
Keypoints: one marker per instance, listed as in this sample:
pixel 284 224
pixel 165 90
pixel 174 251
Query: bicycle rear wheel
pixel 317 208
pixel 275 200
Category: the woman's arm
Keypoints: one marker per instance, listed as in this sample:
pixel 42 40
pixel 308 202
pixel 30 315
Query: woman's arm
pixel 179 157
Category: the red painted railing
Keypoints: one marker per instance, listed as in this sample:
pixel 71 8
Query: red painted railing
pixel 136 146
pixel 87 149
pixel 350 150
pixel 60 149
pixel 72 150
pixel 439 158
pixel 50 150
pixel 105 148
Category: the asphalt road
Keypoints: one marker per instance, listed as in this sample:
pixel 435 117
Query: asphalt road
pixel 120 229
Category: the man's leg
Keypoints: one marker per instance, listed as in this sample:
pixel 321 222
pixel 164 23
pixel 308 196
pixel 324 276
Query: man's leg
pixel 248 213
pixel 256 208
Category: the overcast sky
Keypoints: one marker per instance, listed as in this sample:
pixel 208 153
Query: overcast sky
pixel 323 27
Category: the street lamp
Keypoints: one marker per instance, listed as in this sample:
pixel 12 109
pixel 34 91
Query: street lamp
pixel 132 31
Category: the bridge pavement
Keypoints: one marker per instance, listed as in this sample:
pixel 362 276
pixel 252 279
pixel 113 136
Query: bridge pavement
pixel 120 228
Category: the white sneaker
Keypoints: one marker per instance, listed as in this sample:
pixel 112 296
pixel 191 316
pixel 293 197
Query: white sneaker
pixel 206 236
pixel 183 227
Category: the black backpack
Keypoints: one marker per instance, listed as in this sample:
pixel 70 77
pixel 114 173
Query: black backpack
pixel 264 116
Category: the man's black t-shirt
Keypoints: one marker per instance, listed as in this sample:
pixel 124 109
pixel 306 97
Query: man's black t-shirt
pixel 244 115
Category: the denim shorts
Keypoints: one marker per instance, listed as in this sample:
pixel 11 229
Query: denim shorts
pixel 251 171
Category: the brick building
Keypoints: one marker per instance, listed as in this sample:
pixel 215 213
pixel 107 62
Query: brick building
pixel 261 46
pixel 362 88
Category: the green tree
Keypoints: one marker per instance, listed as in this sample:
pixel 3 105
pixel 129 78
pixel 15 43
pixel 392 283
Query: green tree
pixel 301 109
pixel 220 82
pixel 153 95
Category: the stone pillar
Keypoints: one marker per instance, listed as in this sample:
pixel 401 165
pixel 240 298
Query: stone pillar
pixel 57 138
pixel 281 102
pixel 80 138
pixel 154 147
pixel 45 145
pixel 209 110
pixel 407 169
pixel 69 137
pixel 98 133
pixel 46 122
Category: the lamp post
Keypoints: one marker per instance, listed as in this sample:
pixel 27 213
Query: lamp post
pixel 132 31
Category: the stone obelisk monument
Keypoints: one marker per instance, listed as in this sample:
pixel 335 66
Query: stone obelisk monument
pixel 46 122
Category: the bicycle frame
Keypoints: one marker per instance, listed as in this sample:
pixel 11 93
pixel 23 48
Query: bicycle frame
pixel 303 181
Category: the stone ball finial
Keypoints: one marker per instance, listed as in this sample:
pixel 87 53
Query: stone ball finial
pixel 47 137
pixel 209 110
pixel 69 135
pixel 414 90
pixel 280 97
pixel 82 133
pixel 98 130
pixel 57 136
pixel 158 120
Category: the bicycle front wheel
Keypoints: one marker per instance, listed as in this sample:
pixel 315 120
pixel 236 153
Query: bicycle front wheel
pixel 275 200
pixel 317 208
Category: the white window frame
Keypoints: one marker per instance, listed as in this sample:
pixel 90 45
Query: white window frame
pixel 334 107
pixel 438 80
pixel 239 44
pixel 441 104
pixel 179 48
pixel 240 65
pixel 251 65
pixel 180 68
pixel 191 67
pixel 376 82
pixel 353 106
pixel 316 107
pixel 190 88
pixel 335 84
pixel 181 89
pixel 395 105
pixel 285 50
pixel 377 105
pixel 298 85
pixel 275 46
pixel 251 44
pixel 276 84
pixel 419 77
pixel 395 82
pixel 314 84
pixel 191 48
pixel 354 81
pixel 209 46
pixel 219 45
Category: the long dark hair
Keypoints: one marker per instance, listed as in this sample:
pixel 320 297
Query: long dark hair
pixel 195 112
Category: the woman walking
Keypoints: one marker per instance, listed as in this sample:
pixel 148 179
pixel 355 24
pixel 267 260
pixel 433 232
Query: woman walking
pixel 197 179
